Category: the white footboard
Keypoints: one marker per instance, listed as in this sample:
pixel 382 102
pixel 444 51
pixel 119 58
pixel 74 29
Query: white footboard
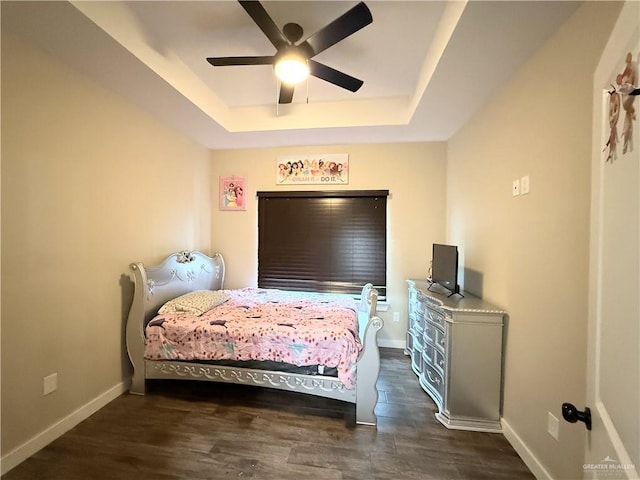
pixel 367 374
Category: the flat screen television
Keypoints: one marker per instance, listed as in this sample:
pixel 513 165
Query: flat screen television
pixel 444 267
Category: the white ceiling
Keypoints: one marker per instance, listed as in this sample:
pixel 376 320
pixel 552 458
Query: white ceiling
pixel 427 66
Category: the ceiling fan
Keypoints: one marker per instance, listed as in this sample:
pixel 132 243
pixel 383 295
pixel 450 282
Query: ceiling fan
pixel 296 58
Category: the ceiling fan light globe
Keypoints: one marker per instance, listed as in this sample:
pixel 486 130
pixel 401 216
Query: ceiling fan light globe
pixel 291 70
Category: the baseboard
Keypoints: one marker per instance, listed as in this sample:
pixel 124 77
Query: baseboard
pixel 391 343
pixel 525 453
pixel 24 451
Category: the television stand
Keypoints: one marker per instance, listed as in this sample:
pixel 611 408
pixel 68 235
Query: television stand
pixel 455 345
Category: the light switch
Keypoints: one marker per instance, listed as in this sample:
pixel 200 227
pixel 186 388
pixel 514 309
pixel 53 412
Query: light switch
pixel 516 187
pixel 524 185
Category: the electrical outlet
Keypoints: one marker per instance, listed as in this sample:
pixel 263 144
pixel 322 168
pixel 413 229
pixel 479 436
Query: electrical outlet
pixel 553 425
pixel 516 187
pixel 396 316
pixel 50 384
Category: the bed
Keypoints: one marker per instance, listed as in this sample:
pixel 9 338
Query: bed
pixel 347 369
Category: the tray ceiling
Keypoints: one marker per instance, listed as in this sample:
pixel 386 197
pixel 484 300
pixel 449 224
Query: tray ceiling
pixel 427 66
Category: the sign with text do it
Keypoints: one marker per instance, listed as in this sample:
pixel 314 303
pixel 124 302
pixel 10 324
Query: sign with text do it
pixel 316 169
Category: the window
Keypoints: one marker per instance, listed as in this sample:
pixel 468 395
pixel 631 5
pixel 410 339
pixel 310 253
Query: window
pixel 322 241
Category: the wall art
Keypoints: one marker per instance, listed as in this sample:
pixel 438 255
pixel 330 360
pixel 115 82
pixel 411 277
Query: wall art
pixel 232 192
pixel 314 169
pixel 622 96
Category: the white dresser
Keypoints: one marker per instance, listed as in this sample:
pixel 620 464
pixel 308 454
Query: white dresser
pixel 455 345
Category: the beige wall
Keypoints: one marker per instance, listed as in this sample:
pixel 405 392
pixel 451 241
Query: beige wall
pixel 89 184
pixel 529 254
pixel 84 173
pixel 414 174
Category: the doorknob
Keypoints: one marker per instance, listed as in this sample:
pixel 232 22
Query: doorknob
pixel 571 414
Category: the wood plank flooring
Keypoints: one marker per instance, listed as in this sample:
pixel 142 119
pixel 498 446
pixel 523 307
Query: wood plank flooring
pixel 197 431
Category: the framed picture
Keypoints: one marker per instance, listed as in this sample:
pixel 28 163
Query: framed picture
pixel 232 193
pixel 621 109
pixel 323 169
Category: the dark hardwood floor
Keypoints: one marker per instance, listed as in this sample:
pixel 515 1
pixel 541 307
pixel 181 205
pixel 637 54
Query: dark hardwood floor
pixel 196 431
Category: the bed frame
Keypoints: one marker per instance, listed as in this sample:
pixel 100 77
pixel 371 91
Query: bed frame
pixel 187 271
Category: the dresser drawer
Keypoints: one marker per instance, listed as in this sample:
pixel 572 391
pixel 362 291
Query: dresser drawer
pixel 435 317
pixel 438 361
pixel 433 379
pixel 430 334
pixel 419 304
pixel 413 306
pixel 441 340
pixel 428 354
pixel 412 323
pixel 416 357
pixel 419 324
pixel 408 349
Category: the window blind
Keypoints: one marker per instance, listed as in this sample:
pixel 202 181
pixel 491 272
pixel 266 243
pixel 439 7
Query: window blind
pixel 322 241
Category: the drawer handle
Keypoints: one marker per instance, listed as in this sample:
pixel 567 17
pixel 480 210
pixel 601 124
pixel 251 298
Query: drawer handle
pixel 432 379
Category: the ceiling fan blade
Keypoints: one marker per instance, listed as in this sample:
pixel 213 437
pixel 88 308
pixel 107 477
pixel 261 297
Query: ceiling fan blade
pixel 334 76
pixel 224 61
pixel 286 93
pixel 349 23
pixel 260 16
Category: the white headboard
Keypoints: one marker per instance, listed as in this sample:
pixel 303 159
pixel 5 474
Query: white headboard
pixel 180 273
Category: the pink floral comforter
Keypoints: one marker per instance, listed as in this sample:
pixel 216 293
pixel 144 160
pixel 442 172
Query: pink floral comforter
pixel 264 324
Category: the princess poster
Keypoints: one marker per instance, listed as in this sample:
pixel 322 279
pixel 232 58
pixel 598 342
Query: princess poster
pixel 232 193
pixel 327 169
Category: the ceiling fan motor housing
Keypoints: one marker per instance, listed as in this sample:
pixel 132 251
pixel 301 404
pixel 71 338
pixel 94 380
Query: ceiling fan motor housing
pixel 293 32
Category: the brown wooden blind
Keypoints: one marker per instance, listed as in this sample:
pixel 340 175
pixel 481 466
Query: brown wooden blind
pixel 322 241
